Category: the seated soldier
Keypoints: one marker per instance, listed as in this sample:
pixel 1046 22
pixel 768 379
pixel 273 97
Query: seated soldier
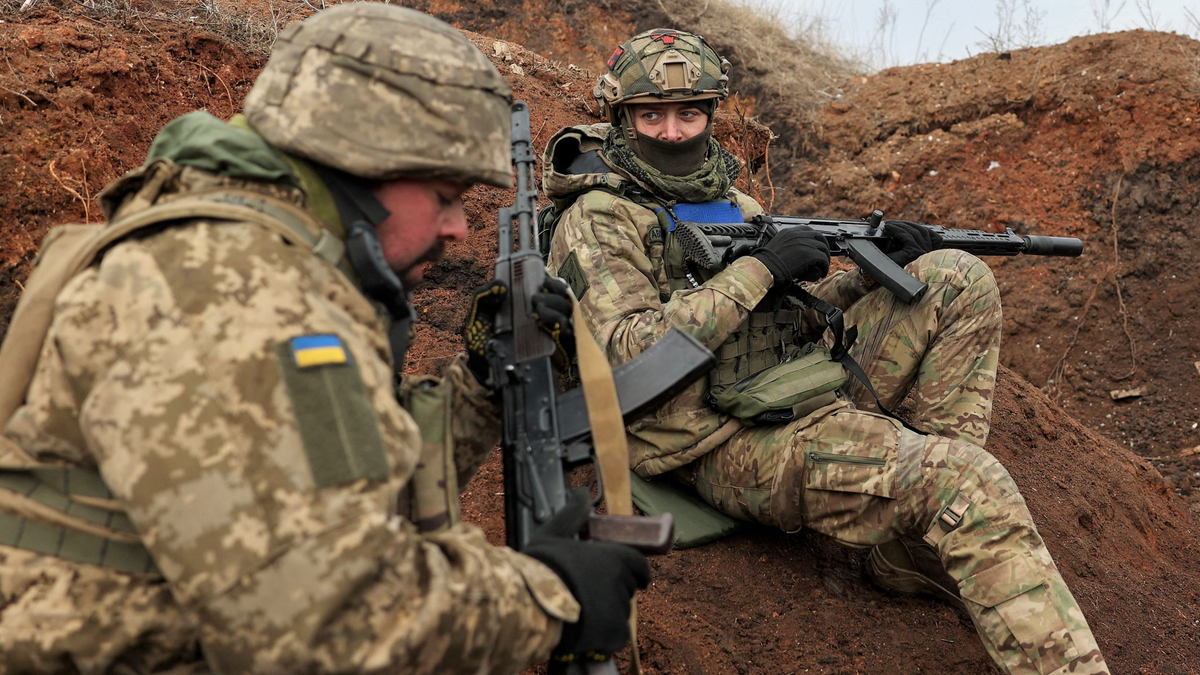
pixel 836 468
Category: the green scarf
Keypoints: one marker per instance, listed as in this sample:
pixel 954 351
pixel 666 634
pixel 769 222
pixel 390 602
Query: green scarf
pixel 709 183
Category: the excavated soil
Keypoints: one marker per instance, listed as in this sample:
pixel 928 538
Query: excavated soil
pixel 81 99
pixel 1098 139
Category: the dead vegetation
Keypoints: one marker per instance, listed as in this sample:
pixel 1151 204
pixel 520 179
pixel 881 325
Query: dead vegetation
pixel 251 29
pixel 783 74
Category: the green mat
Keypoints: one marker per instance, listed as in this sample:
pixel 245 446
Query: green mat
pixel 696 522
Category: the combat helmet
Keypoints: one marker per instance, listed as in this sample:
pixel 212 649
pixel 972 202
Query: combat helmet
pixel 661 65
pixel 382 92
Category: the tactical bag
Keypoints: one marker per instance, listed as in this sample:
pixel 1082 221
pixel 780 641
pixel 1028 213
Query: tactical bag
pixel 806 380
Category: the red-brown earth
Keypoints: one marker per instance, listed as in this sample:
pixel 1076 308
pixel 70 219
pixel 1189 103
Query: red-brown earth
pixel 83 96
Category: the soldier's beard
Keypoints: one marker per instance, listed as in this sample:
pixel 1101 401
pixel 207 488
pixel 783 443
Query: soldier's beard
pixel 414 275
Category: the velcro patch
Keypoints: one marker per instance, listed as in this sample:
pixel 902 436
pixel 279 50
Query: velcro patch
pixel 573 274
pixel 338 425
pixel 318 350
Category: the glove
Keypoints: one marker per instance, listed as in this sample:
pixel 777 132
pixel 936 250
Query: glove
pixel 602 576
pixel 908 241
pixel 795 254
pixel 551 306
pixel 481 322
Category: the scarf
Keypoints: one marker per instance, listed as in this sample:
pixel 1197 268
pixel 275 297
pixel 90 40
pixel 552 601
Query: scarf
pixel 709 183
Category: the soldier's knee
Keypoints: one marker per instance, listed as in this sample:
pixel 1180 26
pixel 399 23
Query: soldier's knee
pixel 983 472
pixel 954 267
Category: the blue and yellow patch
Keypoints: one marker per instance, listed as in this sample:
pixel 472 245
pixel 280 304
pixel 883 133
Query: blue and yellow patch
pixel 318 350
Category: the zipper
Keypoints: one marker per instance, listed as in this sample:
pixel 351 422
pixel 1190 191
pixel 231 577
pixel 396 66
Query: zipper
pixel 834 458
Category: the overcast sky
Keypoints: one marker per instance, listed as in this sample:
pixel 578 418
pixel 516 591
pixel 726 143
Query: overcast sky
pixel 956 28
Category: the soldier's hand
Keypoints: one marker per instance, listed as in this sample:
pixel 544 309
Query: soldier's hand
pixel 795 254
pixel 552 306
pixel 908 241
pixel 481 321
pixel 602 576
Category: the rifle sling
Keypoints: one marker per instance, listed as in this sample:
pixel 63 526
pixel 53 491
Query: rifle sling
pixel 843 340
pixel 608 438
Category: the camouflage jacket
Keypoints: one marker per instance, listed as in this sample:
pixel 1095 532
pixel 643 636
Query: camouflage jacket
pixel 166 369
pixel 609 247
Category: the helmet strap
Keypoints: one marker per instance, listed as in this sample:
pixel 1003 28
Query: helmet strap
pixel 361 212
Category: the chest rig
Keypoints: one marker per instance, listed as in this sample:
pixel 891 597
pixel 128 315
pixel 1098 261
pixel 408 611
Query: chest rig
pixel 766 338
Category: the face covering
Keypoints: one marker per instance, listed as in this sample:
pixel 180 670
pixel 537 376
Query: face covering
pixel 675 159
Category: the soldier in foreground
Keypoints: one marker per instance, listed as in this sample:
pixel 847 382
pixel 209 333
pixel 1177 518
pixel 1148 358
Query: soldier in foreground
pixel 216 465
pixel 835 468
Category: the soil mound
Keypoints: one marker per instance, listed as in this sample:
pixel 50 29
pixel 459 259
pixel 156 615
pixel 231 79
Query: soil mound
pixel 1096 138
pixel 88 93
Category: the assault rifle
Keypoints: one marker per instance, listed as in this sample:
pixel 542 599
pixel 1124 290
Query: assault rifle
pixel 713 245
pixel 546 435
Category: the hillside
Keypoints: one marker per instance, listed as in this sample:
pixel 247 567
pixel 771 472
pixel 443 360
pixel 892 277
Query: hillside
pixel 82 96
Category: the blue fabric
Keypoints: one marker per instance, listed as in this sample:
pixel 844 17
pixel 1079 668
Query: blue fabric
pixel 705 212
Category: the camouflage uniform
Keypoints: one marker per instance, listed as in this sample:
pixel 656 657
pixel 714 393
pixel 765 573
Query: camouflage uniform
pixel 168 369
pixel 859 477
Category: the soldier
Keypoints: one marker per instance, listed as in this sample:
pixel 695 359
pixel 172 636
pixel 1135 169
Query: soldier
pixel 836 468
pixel 213 467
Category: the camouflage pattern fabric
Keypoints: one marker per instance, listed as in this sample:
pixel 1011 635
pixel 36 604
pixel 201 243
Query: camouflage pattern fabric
pixel 381 91
pixel 708 183
pixel 162 372
pixel 857 476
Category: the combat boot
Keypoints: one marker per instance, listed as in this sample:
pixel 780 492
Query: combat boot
pixel 912 568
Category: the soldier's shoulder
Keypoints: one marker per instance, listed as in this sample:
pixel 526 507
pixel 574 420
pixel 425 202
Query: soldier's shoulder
pixel 749 205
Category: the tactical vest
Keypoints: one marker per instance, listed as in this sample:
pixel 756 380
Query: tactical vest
pixel 765 338
pixel 69 512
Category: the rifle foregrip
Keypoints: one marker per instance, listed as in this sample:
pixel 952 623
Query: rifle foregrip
pixel 648 534
pixel 1060 246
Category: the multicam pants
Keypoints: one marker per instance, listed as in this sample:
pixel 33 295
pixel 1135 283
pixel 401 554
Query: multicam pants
pixel 864 479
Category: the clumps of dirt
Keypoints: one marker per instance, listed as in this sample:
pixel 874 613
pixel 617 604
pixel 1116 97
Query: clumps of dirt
pixel 1096 138
pixel 80 101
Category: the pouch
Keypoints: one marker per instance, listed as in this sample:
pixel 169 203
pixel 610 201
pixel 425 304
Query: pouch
pixel 784 392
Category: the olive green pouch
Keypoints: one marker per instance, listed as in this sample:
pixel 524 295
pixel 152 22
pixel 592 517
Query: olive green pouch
pixel 790 390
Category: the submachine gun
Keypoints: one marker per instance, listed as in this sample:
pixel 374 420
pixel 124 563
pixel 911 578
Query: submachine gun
pixel 547 434
pixel 713 245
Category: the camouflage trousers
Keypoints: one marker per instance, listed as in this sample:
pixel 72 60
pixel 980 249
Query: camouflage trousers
pixel 864 479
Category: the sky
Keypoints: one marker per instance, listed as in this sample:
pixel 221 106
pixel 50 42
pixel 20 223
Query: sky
pixel 956 28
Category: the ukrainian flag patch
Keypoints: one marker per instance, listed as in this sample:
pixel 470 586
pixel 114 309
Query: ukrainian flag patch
pixel 318 350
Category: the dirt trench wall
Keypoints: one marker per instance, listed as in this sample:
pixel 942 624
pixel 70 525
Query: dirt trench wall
pixel 1098 138
pixel 759 602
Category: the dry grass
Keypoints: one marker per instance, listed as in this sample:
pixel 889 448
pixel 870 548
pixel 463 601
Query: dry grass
pixel 252 27
pixel 786 66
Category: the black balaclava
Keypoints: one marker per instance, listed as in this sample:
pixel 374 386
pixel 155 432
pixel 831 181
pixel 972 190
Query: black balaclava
pixel 680 158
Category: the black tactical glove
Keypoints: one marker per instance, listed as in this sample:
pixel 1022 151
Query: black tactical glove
pixel 552 306
pixel 795 254
pixel 553 310
pixel 908 241
pixel 602 577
